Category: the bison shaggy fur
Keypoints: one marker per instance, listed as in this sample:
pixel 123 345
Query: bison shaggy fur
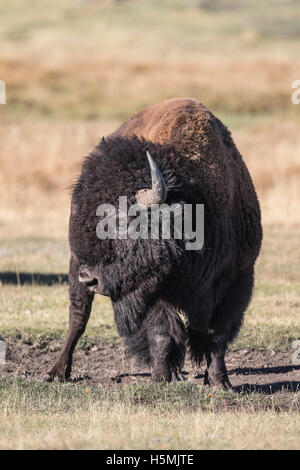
pixel 166 298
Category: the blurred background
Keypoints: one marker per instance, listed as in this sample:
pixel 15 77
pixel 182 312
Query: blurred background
pixel 75 69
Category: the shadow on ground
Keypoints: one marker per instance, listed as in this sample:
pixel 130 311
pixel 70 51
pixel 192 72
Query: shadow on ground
pixel 269 388
pixel 19 279
pixel 266 387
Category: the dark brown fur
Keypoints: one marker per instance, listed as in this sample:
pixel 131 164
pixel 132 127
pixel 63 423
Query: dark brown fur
pixel 150 281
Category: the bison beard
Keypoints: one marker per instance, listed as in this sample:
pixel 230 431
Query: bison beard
pixel 153 284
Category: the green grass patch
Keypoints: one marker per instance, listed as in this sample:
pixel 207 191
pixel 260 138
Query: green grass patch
pixel 37 313
pixel 34 397
pixel 174 416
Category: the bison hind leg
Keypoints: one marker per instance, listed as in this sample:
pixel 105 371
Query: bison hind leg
pixel 197 344
pixel 160 342
pixel 212 348
pixel 225 323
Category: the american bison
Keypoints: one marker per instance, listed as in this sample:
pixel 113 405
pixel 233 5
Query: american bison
pixel 166 298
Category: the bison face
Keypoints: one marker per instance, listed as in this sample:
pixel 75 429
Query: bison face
pixel 91 276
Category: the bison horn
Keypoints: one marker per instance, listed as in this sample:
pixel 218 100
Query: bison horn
pixel 158 193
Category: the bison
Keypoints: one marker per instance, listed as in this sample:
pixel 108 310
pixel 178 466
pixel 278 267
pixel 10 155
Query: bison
pixel 165 298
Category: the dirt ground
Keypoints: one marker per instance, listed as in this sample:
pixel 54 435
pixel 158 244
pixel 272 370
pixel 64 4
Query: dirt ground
pixel 264 371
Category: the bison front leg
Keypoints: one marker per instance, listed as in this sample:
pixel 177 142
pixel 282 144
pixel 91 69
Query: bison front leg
pixel 81 300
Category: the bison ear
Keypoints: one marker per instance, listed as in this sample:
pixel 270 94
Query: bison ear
pixel 158 193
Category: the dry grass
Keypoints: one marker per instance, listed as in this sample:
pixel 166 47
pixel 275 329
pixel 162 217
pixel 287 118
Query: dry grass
pixel 103 60
pixel 40 160
pixel 107 59
pixel 90 88
pixel 124 427
pixel 177 416
pixel 272 154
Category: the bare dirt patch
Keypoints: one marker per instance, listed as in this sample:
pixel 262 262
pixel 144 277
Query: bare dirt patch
pixel 108 365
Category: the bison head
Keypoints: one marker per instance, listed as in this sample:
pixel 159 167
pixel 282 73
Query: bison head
pixel 125 167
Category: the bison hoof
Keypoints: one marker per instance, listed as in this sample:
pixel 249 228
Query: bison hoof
pixel 219 385
pixel 54 377
pixel 217 382
pixel 226 385
pixel 161 376
pixel 48 378
pixel 223 385
pixel 178 377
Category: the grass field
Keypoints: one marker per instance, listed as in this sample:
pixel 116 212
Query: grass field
pixel 151 417
pixel 74 71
